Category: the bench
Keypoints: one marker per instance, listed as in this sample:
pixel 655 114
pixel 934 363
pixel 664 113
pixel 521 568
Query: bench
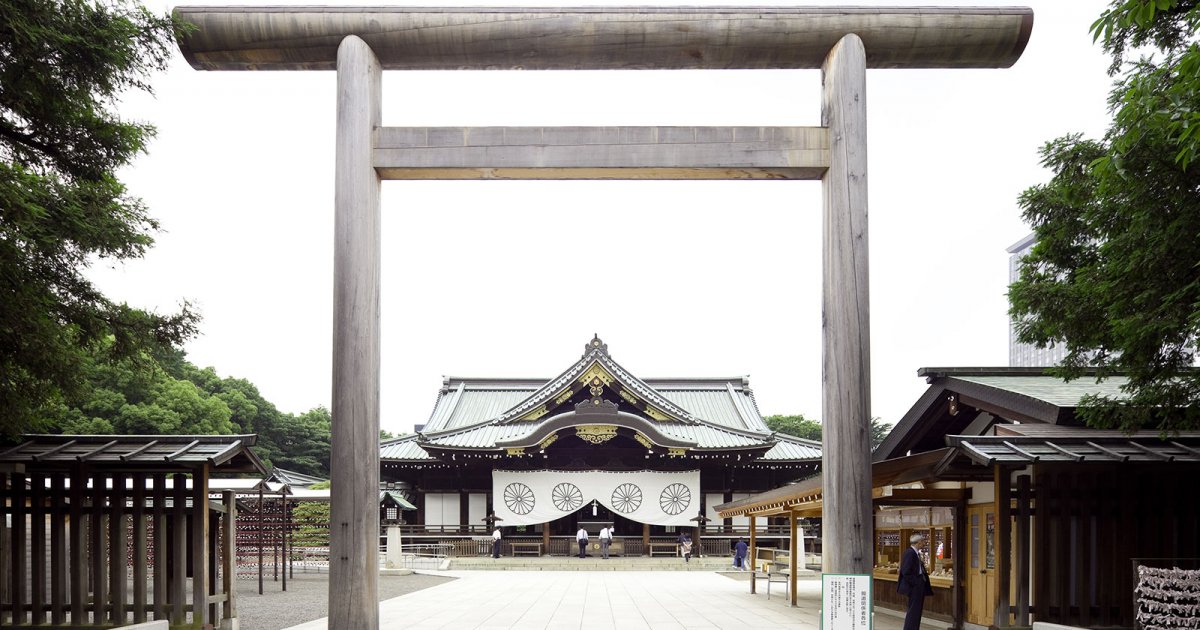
pixel 775 572
pixel 526 548
pixel 663 549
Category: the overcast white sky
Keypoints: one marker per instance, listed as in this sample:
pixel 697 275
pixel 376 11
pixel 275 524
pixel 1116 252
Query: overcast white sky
pixel 679 278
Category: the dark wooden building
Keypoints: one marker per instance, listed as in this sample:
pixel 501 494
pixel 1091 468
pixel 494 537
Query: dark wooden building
pixel 594 445
pixel 1029 515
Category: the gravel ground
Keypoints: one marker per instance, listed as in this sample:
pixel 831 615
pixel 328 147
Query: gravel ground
pixel 307 598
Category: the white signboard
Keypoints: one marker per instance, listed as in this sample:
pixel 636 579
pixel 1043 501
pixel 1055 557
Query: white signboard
pixel 846 602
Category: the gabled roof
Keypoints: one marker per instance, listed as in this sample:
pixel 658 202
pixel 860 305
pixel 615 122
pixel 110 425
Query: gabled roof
pixel 959 397
pixel 293 478
pixel 672 413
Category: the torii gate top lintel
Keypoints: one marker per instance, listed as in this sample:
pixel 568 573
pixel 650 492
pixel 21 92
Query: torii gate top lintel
pixel 602 38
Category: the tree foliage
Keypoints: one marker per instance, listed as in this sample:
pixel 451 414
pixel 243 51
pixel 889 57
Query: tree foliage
pixel 1114 276
pixel 807 429
pixel 63 65
pixel 170 395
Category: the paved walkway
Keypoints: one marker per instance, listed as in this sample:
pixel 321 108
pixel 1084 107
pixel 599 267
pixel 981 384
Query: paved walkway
pixel 609 600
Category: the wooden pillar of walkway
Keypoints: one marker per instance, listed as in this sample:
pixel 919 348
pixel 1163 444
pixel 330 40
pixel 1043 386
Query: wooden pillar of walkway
pixel 354 507
pixel 753 555
pixel 794 552
pixel 846 371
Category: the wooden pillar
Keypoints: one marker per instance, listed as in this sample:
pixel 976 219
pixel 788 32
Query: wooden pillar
pixel 213 546
pixel 99 550
pixel 283 527
pixel 1003 486
pixel 960 563
pixel 58 550
pixel 753 556
pixel 846 364
pixel 1023 516
pixel 37 544
pixel 6 570
pixel 354 466
pixel 200 546
pixel 262 524
pixel 795 552
pixel 162 546
pixel 20 591
pixel 229 555
pixel 117 567
pixel 78 551
pixel 546 538
pixel 645 539
pixel 138 514
pixel 178 550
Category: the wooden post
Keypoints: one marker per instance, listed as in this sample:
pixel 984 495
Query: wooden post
pixel 1003 485
pixel 229 555
pixel 1024 513
pixel 162 546
pixel 546 538
pixel 283 535
pixel 354 465
pixel 19 536
pixel 6 570
pixel 796 552
pixel 37 542
pixel 138 515
pixel 58 547
pixel 178 551
pixel 99 553
pixel 645 539
pixel 960 563
pixel 262 524
pixel 846 387
pixel 753 558
pixel 200 546
pixel 117 568
pixel 78 547
pixel 213 545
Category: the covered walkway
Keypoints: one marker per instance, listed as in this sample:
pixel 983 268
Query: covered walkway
pixel 603 600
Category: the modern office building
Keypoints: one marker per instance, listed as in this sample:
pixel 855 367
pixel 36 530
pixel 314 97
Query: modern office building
pixel 1024 354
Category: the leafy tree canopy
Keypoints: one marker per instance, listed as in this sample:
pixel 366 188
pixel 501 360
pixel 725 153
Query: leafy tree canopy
pixel 63 65
pixel 1114 276
pixel 807 429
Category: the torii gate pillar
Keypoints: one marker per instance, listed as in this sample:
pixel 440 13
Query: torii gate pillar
pixel 845 317
pixel 354 461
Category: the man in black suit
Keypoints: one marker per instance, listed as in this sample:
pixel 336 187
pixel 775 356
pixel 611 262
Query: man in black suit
pixel 914 582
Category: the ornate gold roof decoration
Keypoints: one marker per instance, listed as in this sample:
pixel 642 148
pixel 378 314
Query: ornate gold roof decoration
pixel 644 440
pixel 596 433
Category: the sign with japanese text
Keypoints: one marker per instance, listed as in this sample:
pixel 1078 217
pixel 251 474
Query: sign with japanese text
pixel 846 602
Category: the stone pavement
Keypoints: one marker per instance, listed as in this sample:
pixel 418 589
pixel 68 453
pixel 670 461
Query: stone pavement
pixel 609 600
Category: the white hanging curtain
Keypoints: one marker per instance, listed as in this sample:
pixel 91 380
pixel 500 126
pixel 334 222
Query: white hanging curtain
pixel 645 496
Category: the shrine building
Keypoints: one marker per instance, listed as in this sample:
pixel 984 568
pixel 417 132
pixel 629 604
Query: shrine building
pixel 593 446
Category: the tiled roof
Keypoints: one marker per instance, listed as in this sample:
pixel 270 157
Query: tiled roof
pixel 1051 389
pixel 231 452
pixel 1113 446
pixel 403 448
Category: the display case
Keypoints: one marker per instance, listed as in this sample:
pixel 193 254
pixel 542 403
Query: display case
pixel 893 527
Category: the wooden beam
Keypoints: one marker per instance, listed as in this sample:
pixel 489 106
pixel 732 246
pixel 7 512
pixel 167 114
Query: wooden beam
pixel 601 38
pixel 953 495
pixel 601 152
pixel 354 462
pixel 846 372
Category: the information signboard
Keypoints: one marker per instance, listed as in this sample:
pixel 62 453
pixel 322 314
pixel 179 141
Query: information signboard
pixel 846 602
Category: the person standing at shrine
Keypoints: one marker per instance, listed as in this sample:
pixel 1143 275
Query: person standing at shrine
pixel 605 540
pixel 496 542
pixel 739 555
pixel 582 537
pixel 914 582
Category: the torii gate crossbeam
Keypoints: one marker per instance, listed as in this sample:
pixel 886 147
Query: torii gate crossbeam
pixel 361 42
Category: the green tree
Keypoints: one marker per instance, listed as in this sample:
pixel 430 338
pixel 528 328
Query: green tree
pixel 1115 274
pixel 798 426
pixel 63 65
pixel 802 427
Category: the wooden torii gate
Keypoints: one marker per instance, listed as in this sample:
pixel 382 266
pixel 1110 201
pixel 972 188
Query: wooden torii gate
pixel 360 42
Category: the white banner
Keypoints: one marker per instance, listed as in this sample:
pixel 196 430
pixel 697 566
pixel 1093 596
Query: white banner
pixel 645 496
